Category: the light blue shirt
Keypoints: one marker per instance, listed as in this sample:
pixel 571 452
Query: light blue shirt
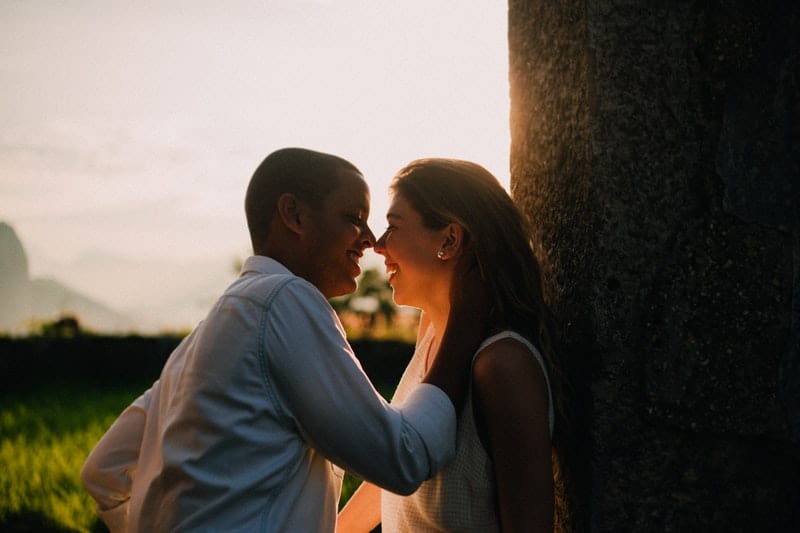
pixel 251 413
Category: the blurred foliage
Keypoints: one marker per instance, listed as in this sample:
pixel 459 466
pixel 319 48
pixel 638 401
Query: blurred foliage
pixel 65 327
pixel 370 311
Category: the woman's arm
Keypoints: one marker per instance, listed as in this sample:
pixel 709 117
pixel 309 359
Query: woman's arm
pixel 362 512
pixel 511 406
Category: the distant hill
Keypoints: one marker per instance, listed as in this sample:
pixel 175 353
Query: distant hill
pixel 24 301
pixel 51 299
pixel 159 293
pixel 14 281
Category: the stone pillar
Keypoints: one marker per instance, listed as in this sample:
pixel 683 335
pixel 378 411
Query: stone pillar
pixel 655 147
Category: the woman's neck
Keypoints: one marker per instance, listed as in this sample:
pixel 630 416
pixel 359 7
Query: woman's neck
pixel 437 312
pixel 434 331
pixel 438 315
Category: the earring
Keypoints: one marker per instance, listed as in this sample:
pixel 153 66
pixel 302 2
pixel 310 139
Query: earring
pixel 440 254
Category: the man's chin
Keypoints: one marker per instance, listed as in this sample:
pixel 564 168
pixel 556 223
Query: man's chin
pixel 343 289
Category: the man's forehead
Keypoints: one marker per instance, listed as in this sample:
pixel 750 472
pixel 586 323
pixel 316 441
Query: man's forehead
pixel 350 175
pixel 353 182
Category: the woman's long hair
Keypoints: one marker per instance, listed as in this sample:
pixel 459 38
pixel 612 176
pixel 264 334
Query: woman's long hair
pixel 445 191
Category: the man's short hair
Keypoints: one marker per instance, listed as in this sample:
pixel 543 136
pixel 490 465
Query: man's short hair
pixel 307 174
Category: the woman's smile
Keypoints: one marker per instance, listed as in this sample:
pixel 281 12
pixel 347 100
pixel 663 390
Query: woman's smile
pixel 391 270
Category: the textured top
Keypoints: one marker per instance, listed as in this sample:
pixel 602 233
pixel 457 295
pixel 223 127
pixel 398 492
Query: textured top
pixel 462 496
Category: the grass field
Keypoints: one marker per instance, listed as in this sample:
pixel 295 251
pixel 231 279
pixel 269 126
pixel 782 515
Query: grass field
pixel 45 435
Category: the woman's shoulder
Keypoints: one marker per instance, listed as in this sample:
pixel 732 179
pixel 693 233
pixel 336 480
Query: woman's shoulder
pixel 506 355
pixel 507 340
pixel 509 371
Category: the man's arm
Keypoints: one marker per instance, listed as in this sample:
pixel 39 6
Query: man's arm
pixel 312 372
pixel 108 471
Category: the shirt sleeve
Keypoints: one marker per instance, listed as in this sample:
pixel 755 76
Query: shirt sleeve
pixel 108 471
pixel 320 384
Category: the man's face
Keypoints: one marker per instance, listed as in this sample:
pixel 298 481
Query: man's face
pixel 339 236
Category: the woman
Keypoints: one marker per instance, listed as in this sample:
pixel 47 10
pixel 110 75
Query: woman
pixel 444 212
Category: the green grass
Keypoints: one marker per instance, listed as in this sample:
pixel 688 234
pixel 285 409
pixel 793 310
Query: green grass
pixel 45 435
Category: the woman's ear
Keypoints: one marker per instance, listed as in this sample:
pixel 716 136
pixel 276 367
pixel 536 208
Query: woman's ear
pixel 291 212
pixel 454 241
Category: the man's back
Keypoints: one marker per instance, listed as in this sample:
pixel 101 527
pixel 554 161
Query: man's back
pixel 217 447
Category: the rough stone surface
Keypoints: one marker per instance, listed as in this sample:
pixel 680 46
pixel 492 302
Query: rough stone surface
pixel 655 150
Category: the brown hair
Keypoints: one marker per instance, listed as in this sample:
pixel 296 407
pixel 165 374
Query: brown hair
pixel 445 191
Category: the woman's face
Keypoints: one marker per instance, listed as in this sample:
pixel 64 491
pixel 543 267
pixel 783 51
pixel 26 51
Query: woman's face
pixel 415 272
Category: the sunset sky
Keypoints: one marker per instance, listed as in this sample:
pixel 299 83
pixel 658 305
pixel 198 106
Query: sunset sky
pixel 130 129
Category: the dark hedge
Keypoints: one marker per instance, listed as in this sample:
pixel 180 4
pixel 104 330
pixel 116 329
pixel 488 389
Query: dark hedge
pixel 116 360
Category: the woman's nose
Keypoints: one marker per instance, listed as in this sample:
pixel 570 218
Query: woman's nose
pixel 380 244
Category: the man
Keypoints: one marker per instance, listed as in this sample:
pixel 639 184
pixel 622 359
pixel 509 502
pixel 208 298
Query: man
pixel 255 407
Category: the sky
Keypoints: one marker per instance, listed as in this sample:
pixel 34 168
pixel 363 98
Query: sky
pixel 129 129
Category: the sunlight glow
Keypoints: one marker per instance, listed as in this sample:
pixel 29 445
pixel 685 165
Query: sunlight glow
pixel 130 130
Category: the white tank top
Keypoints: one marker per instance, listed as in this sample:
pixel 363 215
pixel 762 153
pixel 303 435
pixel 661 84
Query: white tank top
pixel 461 497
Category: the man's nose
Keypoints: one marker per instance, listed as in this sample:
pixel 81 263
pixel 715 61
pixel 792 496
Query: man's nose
pixel 367 237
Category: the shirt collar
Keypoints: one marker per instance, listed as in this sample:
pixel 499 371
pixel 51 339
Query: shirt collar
pixel 263 265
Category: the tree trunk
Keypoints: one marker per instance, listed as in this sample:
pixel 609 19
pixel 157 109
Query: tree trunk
pixel 655 147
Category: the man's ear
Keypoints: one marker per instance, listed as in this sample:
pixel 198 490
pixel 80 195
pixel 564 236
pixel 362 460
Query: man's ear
pixel 292 212
pixel 453 244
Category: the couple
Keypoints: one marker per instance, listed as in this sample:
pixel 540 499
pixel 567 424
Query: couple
pixel 258 411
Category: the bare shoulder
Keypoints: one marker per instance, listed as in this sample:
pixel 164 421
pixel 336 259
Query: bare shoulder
pixel 507 355
pixel 511 396
pixel 507 363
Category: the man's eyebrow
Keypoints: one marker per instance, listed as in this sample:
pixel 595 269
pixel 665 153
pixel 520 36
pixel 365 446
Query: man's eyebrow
pixel 393 215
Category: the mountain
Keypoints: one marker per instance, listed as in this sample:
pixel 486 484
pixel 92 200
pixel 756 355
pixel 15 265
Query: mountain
pixel 25 301
pixel 158 293
pixel 50 299
pixel 14 281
